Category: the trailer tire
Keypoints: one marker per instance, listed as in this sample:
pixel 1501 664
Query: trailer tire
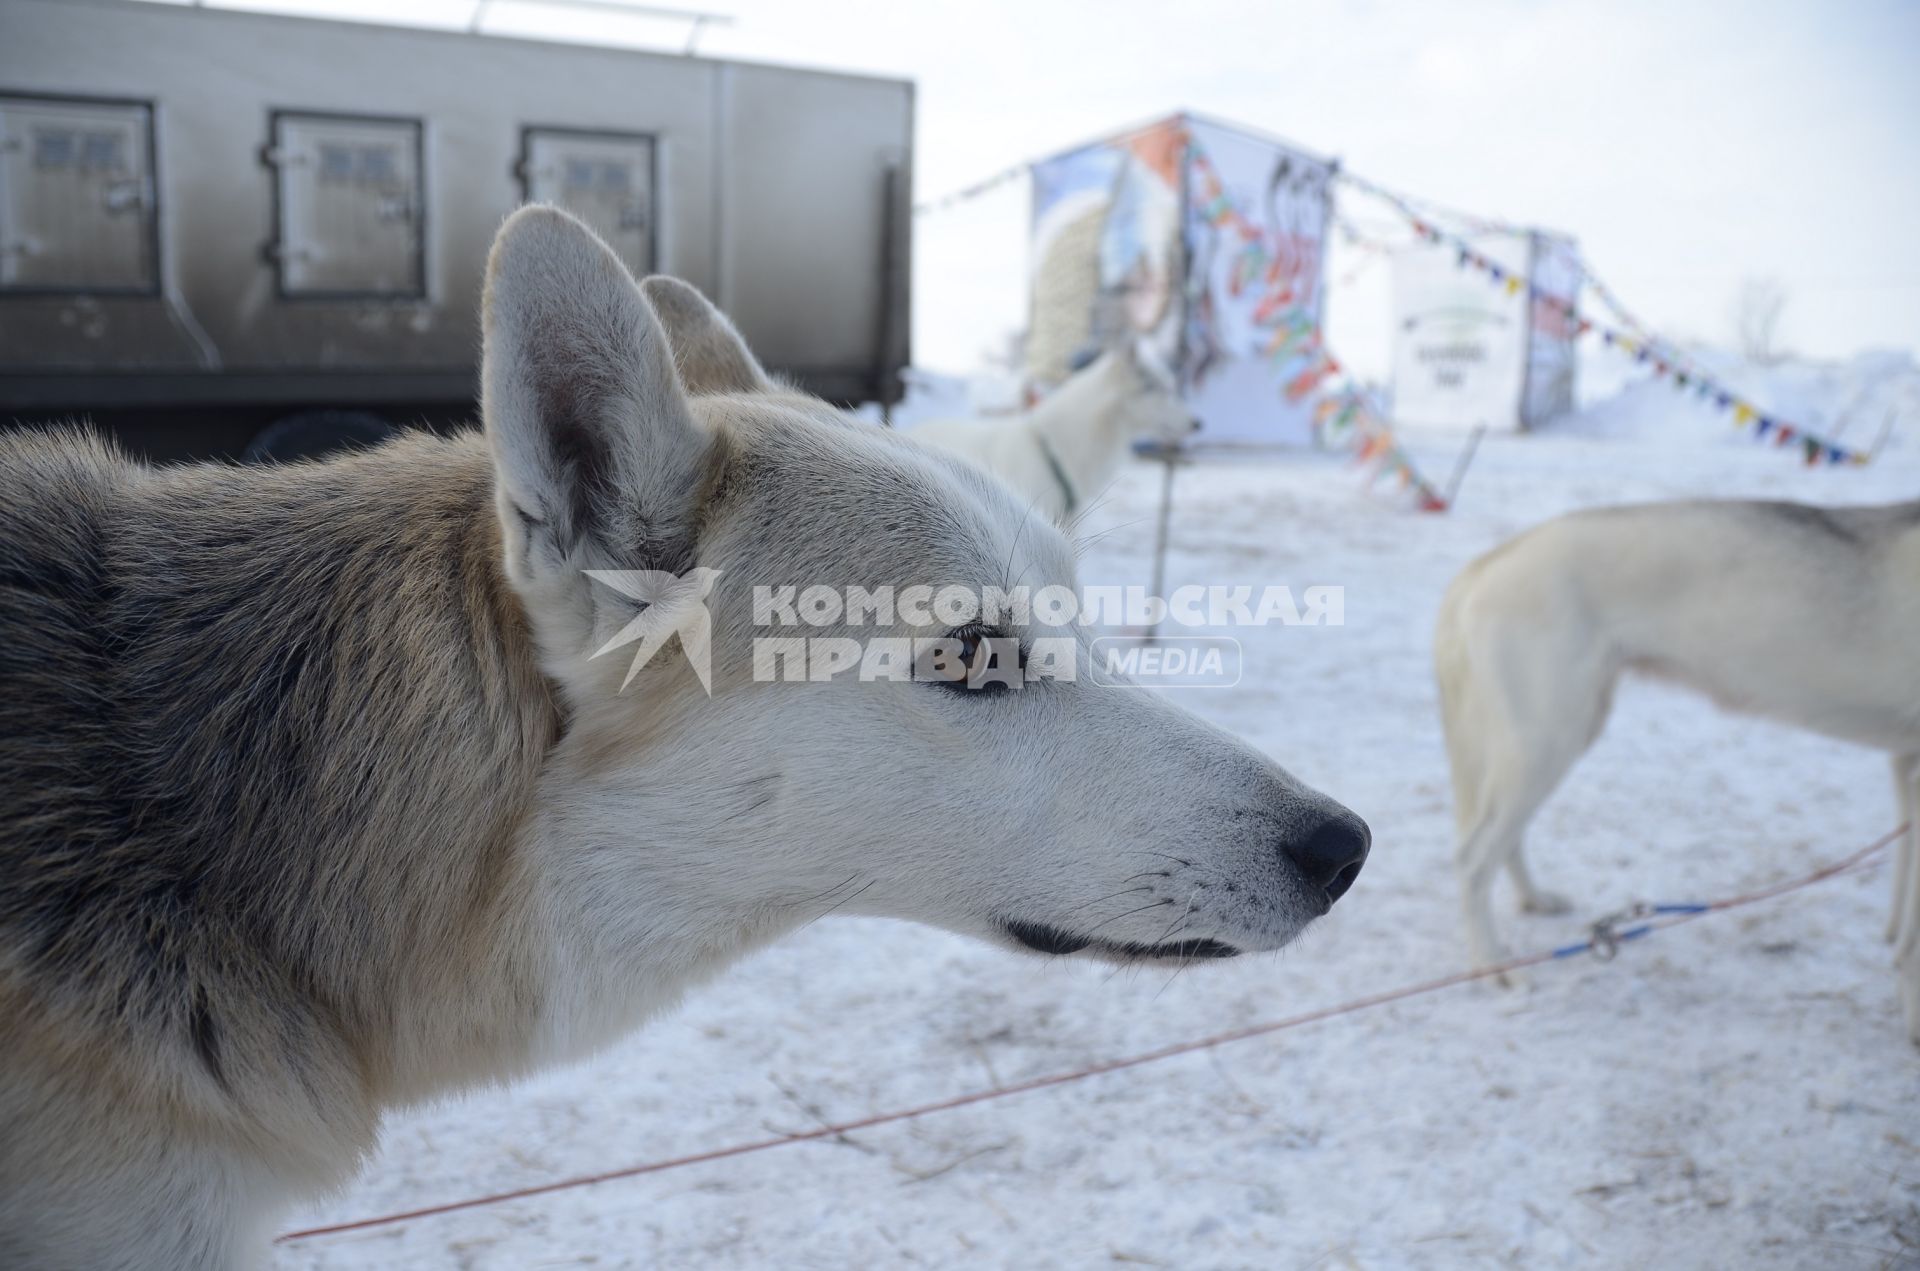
pixel 315 434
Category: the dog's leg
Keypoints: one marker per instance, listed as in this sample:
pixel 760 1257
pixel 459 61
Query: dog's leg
pixel 1513 780
pixel 1474 728
pixel 1534 899
pixel 1906 957
pixel 1906 895
pixel 1510 740
pixel 1495 841
pixel 1906 784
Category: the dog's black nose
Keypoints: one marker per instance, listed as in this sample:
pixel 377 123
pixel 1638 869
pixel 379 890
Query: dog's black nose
pixel 1330 858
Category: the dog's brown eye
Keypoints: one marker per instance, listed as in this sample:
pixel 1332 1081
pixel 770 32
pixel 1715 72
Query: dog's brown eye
pixel 951 658
pixel 970 660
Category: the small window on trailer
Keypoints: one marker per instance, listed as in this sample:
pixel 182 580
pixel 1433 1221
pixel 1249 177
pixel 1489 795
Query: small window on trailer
pixel 605 178
pixel 78 210
pixel 349 205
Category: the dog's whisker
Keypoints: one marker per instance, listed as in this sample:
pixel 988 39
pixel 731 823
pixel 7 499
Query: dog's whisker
pixel 1082 543
pixel 1178 922
pixel 850 896
pixel 1117 917
pixel 822 895
pixel 1079 518
pixel 1127 891
pixel 1186 958
pixel 1012 551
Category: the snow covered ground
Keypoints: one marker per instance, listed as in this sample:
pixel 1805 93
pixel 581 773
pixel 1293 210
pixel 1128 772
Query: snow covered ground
pixel 1738 1092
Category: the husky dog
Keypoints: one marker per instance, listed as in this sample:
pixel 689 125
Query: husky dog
pixel 314 800
pixel 1804 614
pixel 1068 448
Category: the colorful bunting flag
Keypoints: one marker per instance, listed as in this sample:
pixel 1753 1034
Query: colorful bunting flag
pixel 1816 449
pixel 1345 412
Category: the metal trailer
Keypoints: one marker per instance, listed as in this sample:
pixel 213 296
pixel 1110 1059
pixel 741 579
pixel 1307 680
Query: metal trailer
pixel 212 220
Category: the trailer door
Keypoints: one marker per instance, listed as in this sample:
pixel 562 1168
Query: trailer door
pixel 604 178
pixel 350 214
pixel 76 196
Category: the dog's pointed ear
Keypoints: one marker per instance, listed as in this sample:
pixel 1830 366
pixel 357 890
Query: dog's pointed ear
pixel 597 459
pixel 710 354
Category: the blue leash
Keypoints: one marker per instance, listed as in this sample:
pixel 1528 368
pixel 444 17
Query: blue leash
pixel 1608 935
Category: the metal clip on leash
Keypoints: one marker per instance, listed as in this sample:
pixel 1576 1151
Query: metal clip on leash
pixel 1605 936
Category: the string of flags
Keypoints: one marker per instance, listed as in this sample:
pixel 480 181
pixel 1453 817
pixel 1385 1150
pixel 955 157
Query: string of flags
pixel 1291 328
pixel 986 185
pixel 968 193
pixel 1372 251
pixel 1632 321
pixel 1347 412
pixel 1814 448
pixel 1646 349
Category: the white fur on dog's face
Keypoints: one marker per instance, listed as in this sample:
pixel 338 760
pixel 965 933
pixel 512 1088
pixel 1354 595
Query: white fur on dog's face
pixel 1060 816
pixel 1085 807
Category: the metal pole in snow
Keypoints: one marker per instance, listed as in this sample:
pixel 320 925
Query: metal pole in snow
pixel 1460 467
pixel 1170 457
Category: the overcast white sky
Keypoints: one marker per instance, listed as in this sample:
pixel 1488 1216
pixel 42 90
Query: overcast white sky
pixel 1688 145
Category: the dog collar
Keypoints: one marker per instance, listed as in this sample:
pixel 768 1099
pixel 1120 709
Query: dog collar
pixel 1059 473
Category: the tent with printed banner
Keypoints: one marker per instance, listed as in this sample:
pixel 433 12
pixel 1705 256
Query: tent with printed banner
pixel 1205 242
pixel 1483 331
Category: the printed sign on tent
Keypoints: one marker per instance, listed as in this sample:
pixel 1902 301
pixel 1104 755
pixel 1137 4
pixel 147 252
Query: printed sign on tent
pixel 1466 355
pixel 1206 240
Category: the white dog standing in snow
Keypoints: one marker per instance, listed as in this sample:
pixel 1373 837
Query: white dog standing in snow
pixel 1803 614
pixel 1064 451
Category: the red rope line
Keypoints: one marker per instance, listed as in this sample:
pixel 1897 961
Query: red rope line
pixel 1081 1074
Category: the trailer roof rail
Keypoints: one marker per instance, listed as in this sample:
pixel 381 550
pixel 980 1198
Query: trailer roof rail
pixel 699 18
